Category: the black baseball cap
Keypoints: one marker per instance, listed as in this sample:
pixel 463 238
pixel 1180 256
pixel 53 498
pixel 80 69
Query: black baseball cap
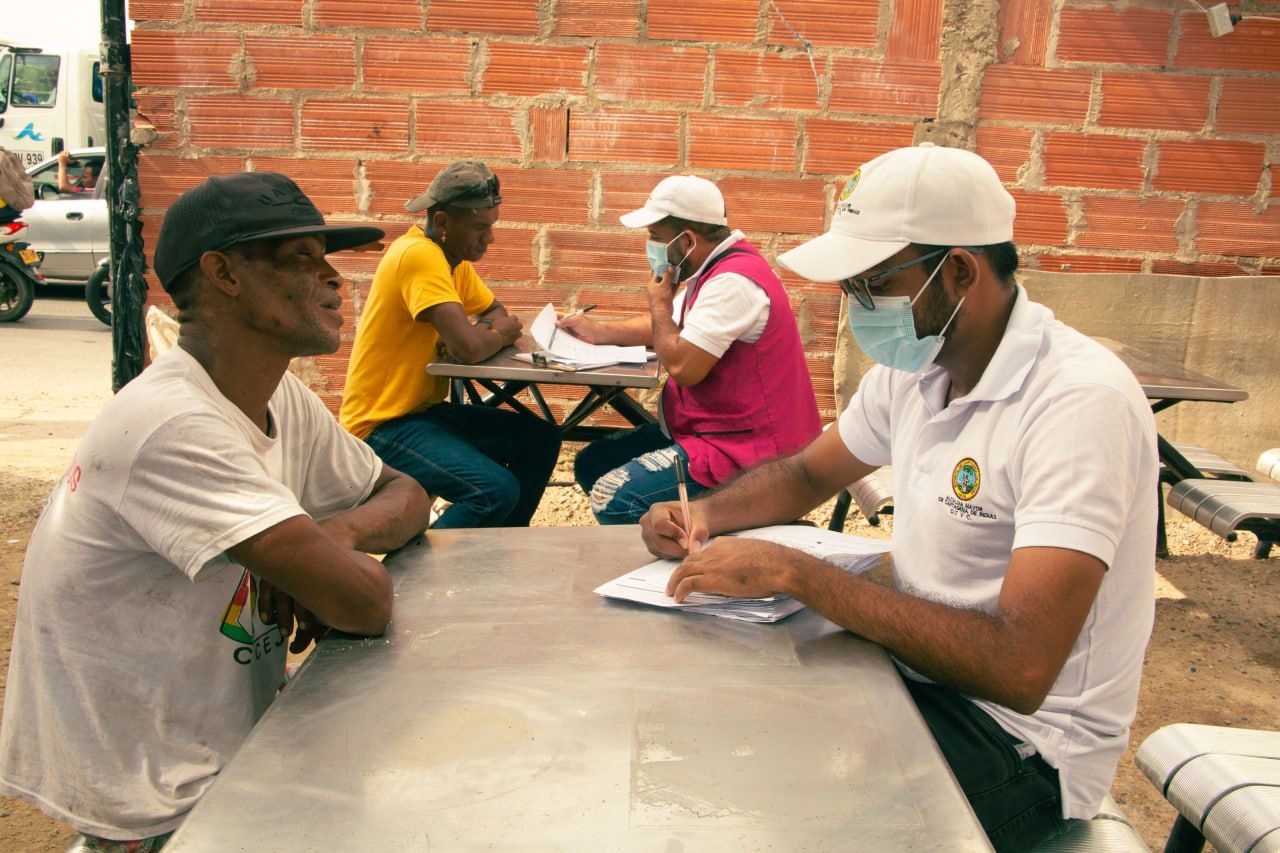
pixel 230 209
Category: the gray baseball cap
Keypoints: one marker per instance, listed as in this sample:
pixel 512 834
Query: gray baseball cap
pixel 466 183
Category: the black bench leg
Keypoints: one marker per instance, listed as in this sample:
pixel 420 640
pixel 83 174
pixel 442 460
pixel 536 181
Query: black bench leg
pixel 1162 542
pixel 841 511
pixel 1184 838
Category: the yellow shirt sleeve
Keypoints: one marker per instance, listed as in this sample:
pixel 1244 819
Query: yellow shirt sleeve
pixel 425 280
pixel 473 293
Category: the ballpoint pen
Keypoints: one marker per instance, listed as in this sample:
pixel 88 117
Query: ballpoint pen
pixel 684 504
pixel 582 310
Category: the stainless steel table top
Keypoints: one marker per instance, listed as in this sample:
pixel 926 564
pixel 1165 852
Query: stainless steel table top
pixel 510 707
pixel 503 367
pixel 1164 381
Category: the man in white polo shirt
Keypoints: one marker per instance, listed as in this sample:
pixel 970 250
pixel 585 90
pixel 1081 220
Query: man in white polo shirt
pixel 1024 460
pixel 738 391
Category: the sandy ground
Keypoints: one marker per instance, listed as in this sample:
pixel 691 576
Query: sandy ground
pixel 1214 656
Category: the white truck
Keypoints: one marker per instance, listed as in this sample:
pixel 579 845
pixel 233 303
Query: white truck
pixel 50 98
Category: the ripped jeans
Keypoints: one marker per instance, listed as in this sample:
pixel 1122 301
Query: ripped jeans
pixel 625 474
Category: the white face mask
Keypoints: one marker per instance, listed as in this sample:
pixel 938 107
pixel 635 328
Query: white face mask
pixel 659 260
pixel 888 334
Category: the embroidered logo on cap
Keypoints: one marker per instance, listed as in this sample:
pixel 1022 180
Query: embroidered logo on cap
pixel 842 205
pixel 966 479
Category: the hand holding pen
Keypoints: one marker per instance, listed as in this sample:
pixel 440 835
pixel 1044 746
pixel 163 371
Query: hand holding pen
pixel 577 325
pixel 693 545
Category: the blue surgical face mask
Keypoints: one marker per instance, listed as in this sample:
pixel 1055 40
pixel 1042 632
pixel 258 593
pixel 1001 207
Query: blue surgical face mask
pixel 658 258
pixel 888 334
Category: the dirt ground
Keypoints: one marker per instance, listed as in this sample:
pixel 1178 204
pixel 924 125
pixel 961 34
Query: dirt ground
pixel 1214 656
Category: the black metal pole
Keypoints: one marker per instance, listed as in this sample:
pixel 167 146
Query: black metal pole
pixel 129 288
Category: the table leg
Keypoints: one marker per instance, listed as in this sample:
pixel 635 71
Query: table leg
pixel 587 406
pixel 624 405
pixel 542 404
pixel 1184 838
pixel 1162 539
pixel 841 511
pixel 1176 462
pixel 505 393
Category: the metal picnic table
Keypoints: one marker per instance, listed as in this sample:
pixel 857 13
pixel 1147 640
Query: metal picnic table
pixel 504 376
pixel 508 706
pixel 1165 384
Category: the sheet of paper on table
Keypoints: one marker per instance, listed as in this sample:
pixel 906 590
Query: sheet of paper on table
pixel 556 363
pixel 648 584
pixel 570 350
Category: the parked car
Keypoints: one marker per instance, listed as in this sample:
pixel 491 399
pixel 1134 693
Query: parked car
pixel 69 229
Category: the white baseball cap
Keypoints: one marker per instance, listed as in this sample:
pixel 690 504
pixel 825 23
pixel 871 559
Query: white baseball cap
pixel 685 196
pixel 926 195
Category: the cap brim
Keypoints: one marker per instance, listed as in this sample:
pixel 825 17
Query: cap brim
pixel 336 237
pixel 422 202
pixel 835 256
pixel 642 218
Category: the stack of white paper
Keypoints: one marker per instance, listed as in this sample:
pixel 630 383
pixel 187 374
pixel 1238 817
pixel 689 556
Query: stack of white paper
pixel 576 353
pixel 648 584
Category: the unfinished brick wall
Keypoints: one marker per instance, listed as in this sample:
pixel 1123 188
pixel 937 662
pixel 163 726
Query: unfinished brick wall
pixel 1132 140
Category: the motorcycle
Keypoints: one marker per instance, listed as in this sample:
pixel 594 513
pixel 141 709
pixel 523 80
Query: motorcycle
pixel 97 291
pixel 19 273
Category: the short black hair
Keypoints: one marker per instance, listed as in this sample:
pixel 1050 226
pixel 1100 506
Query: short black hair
pixel 1002 256
pixel 452 211
pixel 709 232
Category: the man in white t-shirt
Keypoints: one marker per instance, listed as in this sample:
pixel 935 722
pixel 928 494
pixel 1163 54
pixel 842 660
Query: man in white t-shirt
pixel 738 391
pixel 1024 467
pixel 211 503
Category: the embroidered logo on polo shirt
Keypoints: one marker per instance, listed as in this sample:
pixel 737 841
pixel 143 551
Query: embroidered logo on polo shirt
pixel 966 479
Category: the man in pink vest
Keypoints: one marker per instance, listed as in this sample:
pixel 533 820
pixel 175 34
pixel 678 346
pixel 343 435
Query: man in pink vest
pixel 738 391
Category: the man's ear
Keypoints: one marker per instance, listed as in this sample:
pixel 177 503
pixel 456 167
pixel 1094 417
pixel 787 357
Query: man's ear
pixel 440 223
pixel 218 268
pixel 966 271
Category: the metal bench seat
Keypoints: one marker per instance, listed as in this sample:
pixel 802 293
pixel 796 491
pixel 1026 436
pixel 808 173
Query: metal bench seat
pixel 1164 752
pixel 1269 463
pixel 873 493
pixel 1225 506
pixel 1224 782
pixel 1208 462
pixel 1206 779
pixel 1109 832
pixel 1246 820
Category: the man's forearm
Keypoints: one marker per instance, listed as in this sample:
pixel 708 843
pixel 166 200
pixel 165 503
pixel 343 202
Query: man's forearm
pixel 631 332
pixel 663 330
pixel 392 515
pixel 774 493
pixel 978 654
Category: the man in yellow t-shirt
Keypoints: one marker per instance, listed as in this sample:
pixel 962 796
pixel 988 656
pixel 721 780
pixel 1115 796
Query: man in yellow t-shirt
pixel 491 464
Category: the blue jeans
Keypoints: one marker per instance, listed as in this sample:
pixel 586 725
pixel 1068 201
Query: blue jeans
pixel 628 472
pixel 492 465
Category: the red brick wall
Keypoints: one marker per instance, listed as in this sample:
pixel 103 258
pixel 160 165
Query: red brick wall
pixel 1132 140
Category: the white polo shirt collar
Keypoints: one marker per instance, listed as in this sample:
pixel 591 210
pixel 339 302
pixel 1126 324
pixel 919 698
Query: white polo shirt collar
pixel 1009 367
